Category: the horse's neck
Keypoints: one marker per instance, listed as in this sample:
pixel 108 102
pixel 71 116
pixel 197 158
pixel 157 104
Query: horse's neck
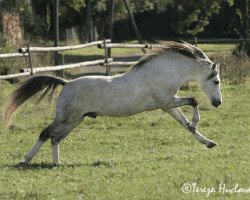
pixel 171 70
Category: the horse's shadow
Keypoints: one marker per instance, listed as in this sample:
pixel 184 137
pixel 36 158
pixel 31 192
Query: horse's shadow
pixel 41 166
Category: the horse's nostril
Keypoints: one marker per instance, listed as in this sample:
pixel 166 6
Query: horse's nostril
pixel 216 103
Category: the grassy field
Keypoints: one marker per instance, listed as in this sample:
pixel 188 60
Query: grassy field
pixel 147 156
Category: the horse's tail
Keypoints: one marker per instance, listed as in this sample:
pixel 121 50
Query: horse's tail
pixel 29 88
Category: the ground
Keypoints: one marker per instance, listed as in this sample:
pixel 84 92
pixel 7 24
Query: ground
pixel 146 156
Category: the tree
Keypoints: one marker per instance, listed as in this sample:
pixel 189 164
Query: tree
pixel 11 25
pixel 154 18
pixel 243 12
pixel 190 17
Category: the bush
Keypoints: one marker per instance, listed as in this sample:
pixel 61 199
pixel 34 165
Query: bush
pixel 235 69
pixel 5 47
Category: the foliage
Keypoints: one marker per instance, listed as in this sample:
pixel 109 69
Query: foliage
pixel 12 5
pixel 74 4
pixel 5 47
pixel 234 69
pixel 190 17
pixel 177 17
pixel 139 6
pixel 165 18
pixel 182 19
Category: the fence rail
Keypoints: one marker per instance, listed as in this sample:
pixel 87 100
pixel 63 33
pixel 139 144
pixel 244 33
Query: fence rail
pixel 217 41
pixel 3 77
pixel 123 63
pixel 62 48
pixel 69 66
pixel 11 55
pixel 122 45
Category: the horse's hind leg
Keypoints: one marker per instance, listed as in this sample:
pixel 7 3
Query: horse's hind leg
pixel 61 130
pixel 55 152
pixel 56 131
pixel 43 137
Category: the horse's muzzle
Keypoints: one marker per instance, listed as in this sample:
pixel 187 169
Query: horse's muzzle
pixel 216 102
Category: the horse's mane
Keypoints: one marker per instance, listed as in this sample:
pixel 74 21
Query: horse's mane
pixel 183 48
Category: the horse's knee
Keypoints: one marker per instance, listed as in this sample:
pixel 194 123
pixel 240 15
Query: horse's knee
pixel 57 138
pixel 45 134
pixel 193 102
pixel 58 135
pixel 60 130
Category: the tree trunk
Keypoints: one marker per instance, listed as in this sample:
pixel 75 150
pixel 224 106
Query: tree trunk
pixel 12 27
pixel 245 18
pixel 89 22
pixel 133 21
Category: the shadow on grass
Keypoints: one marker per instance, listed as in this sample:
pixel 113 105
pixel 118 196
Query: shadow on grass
pixel 94 164
pixel 41 166
pixel 34 166
pixel 80 58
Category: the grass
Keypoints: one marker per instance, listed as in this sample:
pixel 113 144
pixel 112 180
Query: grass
pixel 146 156
pixel 92 53
pixel 95 51
pixel 213 48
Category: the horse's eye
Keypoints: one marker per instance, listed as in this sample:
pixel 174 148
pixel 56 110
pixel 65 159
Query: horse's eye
pixel 216 82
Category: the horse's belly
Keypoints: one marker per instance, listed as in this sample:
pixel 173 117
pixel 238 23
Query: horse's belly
pixel 123 109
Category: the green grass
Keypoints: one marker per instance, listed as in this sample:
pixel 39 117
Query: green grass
pixel 217 47
pixel 95 51
pixel 92 53
pixel 147 156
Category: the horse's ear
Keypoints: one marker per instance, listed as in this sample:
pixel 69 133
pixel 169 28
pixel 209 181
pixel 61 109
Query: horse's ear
pixel 216 66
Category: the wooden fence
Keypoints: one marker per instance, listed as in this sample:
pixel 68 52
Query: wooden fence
pixel 26 52
pixel 107 61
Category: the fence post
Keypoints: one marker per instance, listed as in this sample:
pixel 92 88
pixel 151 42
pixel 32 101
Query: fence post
pixel 108 72
pixel 30 62
pixel 195 41
pixel 60 58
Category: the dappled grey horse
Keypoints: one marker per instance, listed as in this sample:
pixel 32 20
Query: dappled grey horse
pixel 153 83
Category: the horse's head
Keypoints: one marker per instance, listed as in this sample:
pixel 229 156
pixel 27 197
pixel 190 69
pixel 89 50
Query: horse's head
pixel 210 84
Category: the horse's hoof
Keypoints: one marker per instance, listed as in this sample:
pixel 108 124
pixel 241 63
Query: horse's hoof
pixel 57 164
pixel 21 164
pixel 211 145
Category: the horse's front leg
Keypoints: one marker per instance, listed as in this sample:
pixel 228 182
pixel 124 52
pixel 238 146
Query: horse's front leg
pixel 196 117
pixel 178 102
pixel 178 115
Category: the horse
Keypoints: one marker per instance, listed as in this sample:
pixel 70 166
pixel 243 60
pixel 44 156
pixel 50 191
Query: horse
pixel 153 83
